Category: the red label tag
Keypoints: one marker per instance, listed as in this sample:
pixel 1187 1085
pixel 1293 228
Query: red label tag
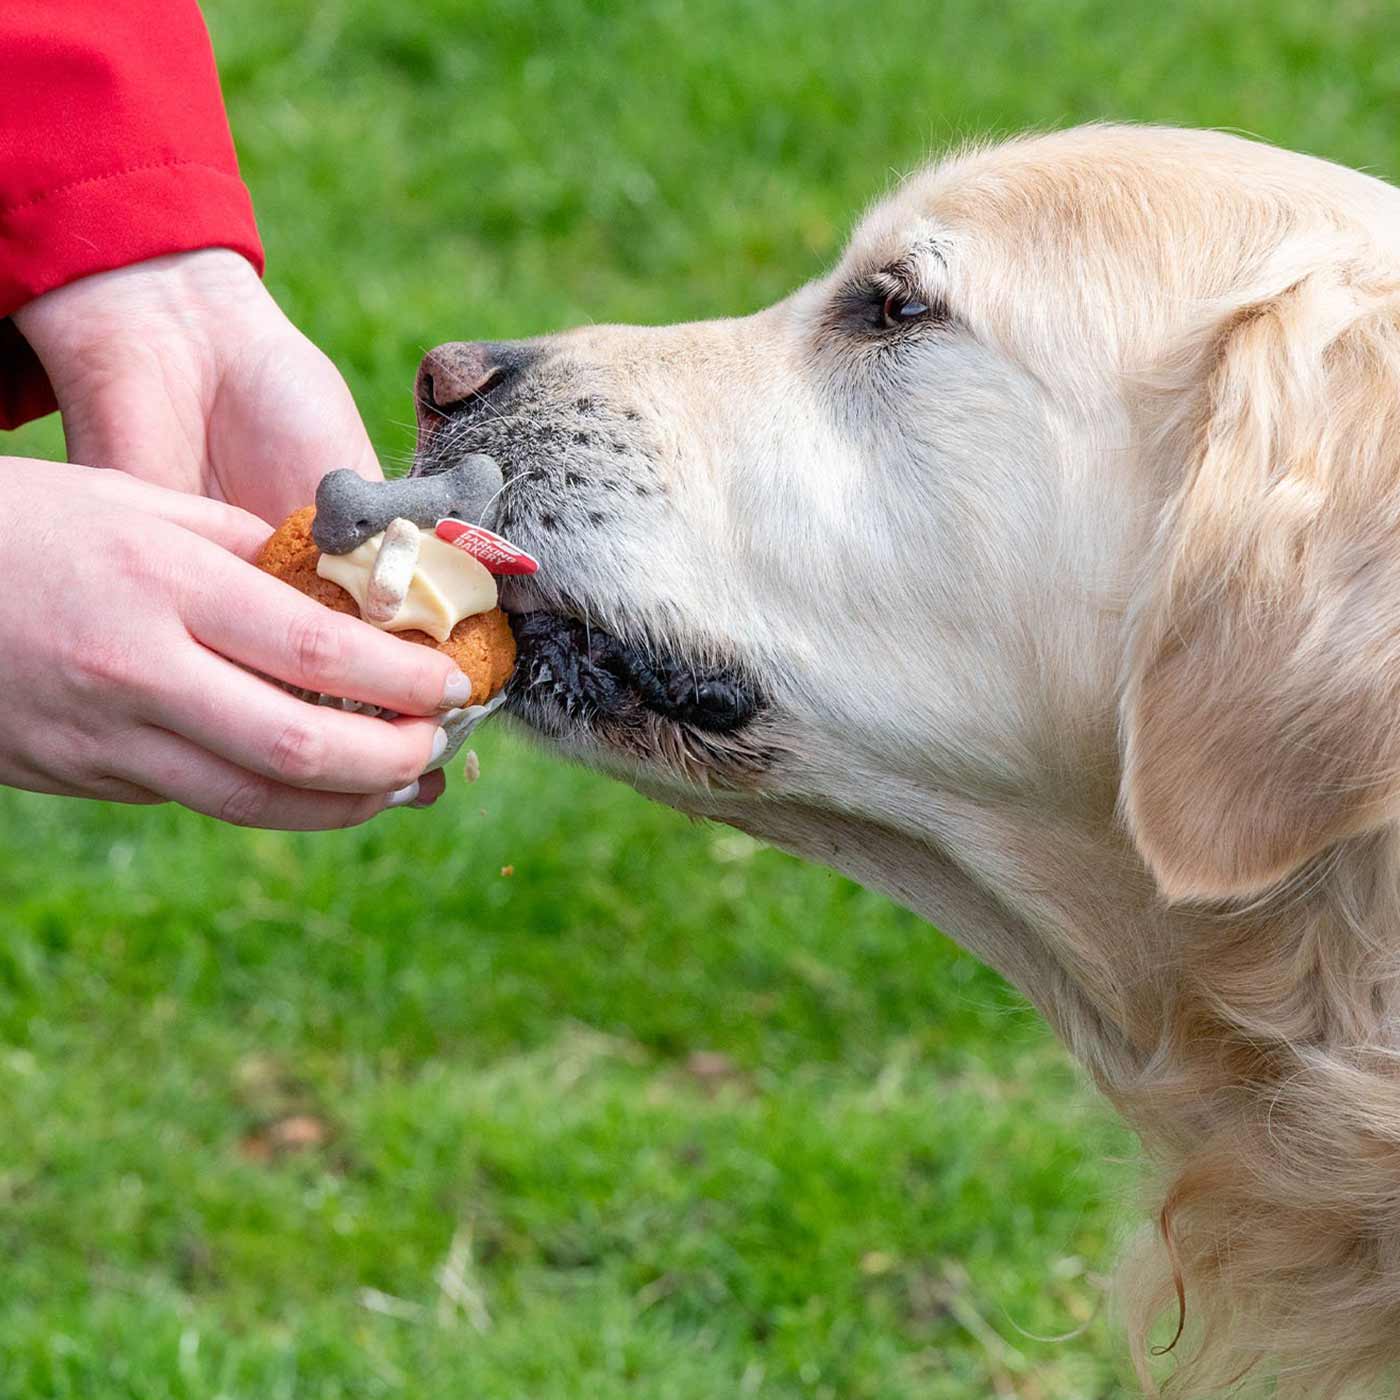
pixel 499 555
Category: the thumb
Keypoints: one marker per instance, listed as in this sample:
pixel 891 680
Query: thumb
pixel 283 418
pixel 238 531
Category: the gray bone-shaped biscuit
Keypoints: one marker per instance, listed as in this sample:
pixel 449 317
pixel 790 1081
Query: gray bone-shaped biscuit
pixel 349 509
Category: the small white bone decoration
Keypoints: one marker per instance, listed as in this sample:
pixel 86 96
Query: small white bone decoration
pixel 392 574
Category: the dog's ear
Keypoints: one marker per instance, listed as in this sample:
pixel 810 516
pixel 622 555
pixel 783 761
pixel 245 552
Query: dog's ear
pixel 1262 704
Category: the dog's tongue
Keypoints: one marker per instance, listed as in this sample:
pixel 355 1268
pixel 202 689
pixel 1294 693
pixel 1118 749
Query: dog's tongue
pixel 351 510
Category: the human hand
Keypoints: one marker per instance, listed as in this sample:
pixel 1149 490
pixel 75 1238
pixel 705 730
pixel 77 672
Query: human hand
pixel 183 371
pixel 130 625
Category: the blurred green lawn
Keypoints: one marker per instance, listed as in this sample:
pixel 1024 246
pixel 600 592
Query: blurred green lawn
pixel 658 1114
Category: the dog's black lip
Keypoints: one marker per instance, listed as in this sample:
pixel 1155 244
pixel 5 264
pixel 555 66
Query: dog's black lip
pixel 568 671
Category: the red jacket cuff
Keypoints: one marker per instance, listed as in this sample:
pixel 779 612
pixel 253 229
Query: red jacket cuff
pixel 114 148
pixel 86 227
pixel 89 226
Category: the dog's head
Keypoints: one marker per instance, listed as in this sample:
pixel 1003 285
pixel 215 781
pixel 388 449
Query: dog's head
pixel 1041 560
pixel 1063 419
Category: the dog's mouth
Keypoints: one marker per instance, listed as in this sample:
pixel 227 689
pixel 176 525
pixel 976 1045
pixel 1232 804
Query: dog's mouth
pixel 582 686
pixel 613 695
pixel 583 674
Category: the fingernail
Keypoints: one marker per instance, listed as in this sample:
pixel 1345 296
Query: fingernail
pixel 402 797
pixel 439 745
pixel 452 716
pixel 458 690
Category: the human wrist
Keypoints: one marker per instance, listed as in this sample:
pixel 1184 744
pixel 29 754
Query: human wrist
pixel 196 295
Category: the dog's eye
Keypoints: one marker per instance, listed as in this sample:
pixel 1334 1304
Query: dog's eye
pixel 900 309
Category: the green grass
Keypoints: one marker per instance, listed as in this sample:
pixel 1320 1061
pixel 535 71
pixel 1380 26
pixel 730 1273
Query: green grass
pixel 701 1122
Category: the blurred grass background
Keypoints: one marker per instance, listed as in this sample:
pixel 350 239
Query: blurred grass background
pixel 548 1092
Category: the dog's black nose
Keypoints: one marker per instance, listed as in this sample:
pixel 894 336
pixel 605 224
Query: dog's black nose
pixel 456 375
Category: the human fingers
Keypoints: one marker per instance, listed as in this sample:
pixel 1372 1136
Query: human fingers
pixel 236 530
pixel 177 770
pixel 261 622
pixel 254 725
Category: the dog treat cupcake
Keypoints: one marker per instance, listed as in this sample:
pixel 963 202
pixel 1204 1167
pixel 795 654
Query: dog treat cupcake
pixel 404 556
pixel 408 581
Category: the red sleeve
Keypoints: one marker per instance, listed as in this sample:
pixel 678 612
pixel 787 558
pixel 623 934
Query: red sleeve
pixel 114 148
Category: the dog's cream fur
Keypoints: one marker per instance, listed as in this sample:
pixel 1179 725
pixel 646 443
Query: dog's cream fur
pixel 1079 615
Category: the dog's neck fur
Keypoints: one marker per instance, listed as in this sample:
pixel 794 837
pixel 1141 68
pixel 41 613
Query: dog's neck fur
pixel 1045 905
pixel 1253 1049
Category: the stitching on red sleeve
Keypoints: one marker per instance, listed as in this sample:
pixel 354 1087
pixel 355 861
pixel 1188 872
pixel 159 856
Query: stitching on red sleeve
pixel 113 175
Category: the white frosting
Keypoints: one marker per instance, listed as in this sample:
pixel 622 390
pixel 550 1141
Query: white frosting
pixel 447 585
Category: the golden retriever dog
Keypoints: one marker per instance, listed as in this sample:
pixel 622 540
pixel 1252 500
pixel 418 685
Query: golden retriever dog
pixel 1040 565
